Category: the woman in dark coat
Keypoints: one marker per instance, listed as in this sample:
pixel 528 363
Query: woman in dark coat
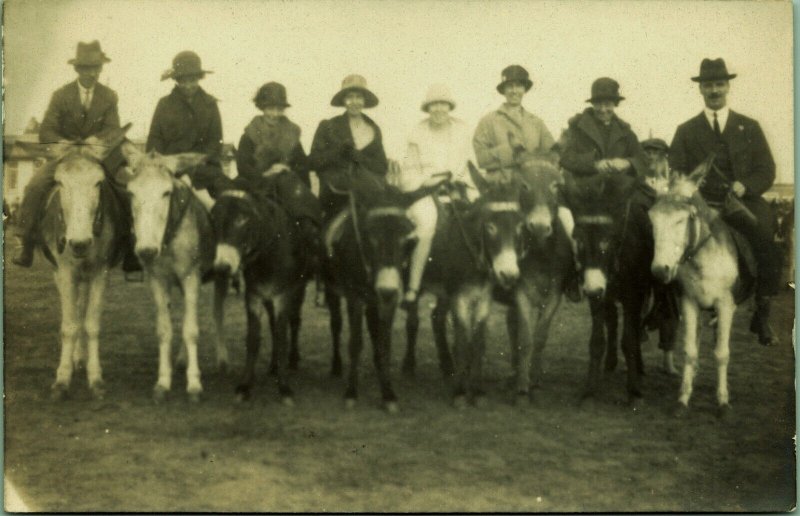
pixel 272 158
pixel 344 140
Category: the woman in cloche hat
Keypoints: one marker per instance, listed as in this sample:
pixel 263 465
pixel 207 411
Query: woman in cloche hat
pixel 439 143
pixel 271 156
pixel 351 137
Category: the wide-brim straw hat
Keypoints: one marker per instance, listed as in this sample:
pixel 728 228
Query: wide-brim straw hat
pixel 89 54
pixel 713 70
pixel 605 88
pixel 185 64
pixel 354 83
pixel 438 93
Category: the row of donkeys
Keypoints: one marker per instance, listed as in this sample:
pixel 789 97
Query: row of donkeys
pixel 506 246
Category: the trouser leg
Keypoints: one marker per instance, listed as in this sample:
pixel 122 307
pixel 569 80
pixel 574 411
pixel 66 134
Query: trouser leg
pixel 30 210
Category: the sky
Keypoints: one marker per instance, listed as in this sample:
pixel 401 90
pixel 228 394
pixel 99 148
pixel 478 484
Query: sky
pixel 651 48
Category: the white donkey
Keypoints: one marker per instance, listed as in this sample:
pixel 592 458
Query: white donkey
pixel 694 246
pixel 175 243
pixel 81 229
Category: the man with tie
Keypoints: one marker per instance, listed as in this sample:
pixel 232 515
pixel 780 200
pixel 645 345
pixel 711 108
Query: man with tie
pixel 78 110
pixel 744 167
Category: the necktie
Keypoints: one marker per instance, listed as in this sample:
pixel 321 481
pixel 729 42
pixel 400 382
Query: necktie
pixel 86 100
pixel 716 125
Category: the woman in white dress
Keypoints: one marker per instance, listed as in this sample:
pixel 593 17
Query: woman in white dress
pixel 439 143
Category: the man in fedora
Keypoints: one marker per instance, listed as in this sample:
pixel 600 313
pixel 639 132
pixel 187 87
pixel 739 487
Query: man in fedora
pixel 77 110
pixel 188 120
pixel 744 169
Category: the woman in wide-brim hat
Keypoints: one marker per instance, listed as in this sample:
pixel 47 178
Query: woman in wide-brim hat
pixel 350 139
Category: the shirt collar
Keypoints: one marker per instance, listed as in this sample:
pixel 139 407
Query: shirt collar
pixel 722 117
pixel 513 111
pixel 84 90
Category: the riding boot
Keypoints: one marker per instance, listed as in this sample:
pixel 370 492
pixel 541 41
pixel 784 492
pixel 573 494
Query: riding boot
pixel 760 325
pixel 24 257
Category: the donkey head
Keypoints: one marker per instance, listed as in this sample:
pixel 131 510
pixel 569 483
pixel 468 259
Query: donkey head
pixel 155 195
pixel 239 227
pixel 500 225
pixel 79 176
pixel 541 181
pixel 676 221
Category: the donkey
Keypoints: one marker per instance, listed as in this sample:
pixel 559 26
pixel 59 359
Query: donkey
pixel 175 243
pixel 364 268
pixel 255 235
pixel 475 249
pixel 614 241
pixel 545 262
pixel 82 231
pixel 696 248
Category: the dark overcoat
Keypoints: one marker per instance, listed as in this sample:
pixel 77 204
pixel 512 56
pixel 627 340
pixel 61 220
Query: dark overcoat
pixel 585 145
pixel 66 119
pixel 182 124
pixel 330 161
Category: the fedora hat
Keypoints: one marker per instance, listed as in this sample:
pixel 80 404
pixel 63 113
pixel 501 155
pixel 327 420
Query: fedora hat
pixel 605 88
pixel 713 70
pixel 655 144
pixel 358 83
pixel 89 54
pixel 438 93
pixel 514 73
pixel 271 94
pixel 184 64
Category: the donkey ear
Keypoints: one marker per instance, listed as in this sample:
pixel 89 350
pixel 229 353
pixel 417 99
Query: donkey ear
pixel 700 172
pixel 100 148
pixel 477 179
pixel 179 162
pixel 131 153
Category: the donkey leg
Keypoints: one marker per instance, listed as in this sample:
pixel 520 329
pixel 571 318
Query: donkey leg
pixel 632 343
pixel 597 346
pixel 612 334
pixel 334 303
pixel 412 328
pixel 512 326
pixel 540 334
pixel 439 324
pixel 94 309
pixel 69 331
pixel 191 290
pixel 273 361
pixel 79 351
pixel 462 318
pixel 380 332
pixel 691 320
pixel 221 283
pixel 355 316
pixel 255 320
pixel 725 311
pixel 282 305
pixel 524 344
pixel 476 388
pixel 295 320
pixel 164 332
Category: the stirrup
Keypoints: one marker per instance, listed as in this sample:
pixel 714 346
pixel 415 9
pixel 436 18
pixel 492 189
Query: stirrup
pixel 134 276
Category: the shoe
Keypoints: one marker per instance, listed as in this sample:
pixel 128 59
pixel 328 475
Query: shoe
pixel 572 288
pixel 760 325
pixel 410 300
pixel 24 258
pixel 130 262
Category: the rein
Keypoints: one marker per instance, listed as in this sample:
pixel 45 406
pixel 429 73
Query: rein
pixel 178 206
pixel 692 249
pixel 243 195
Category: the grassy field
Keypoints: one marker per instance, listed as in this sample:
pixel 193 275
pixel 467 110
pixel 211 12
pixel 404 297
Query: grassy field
pixel 127 454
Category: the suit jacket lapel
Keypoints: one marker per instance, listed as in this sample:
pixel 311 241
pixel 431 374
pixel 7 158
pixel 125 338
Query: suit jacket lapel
pixel 587 125
pixel 705 134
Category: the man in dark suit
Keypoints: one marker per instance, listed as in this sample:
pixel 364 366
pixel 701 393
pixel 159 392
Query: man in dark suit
pixel 78 110
pixel 744 168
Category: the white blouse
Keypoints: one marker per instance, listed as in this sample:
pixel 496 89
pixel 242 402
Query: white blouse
pixel 431 150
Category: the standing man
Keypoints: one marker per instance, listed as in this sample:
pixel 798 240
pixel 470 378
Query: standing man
pixel 745 169
pixel 188 120
pixel 77 110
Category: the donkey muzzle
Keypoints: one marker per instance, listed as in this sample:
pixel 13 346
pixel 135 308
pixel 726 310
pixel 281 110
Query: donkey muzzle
pixel 663 273
pixel 80 248
pixel 594 282
pixel 147 254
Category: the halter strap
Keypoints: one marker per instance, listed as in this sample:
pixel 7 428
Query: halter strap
pixel 694 227
pixel 386 211
pixel 596 220
pixel 236 194
pixel 502 206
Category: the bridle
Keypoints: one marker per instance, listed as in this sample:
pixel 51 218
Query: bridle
pixel 372 213
pixel 694 227
pixel 479 258
pixel 248 253
pixel 594 220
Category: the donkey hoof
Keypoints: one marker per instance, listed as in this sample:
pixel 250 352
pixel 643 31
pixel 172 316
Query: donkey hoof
pixel 724 412
pixel 636 403
pixel 242 393
pixel 391 407
pixel 460 402
pixel 159 394
pixel 336 372
pixel 480 401
pixel 522 399
pixel 59 392
pixel 194 397
pixel 680 411
pixel 222 368
pixel 287 401
pixel 349 403
pixel 98 391
pixel 408 370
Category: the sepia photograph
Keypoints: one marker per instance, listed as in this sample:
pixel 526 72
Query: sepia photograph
pixel 370 256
